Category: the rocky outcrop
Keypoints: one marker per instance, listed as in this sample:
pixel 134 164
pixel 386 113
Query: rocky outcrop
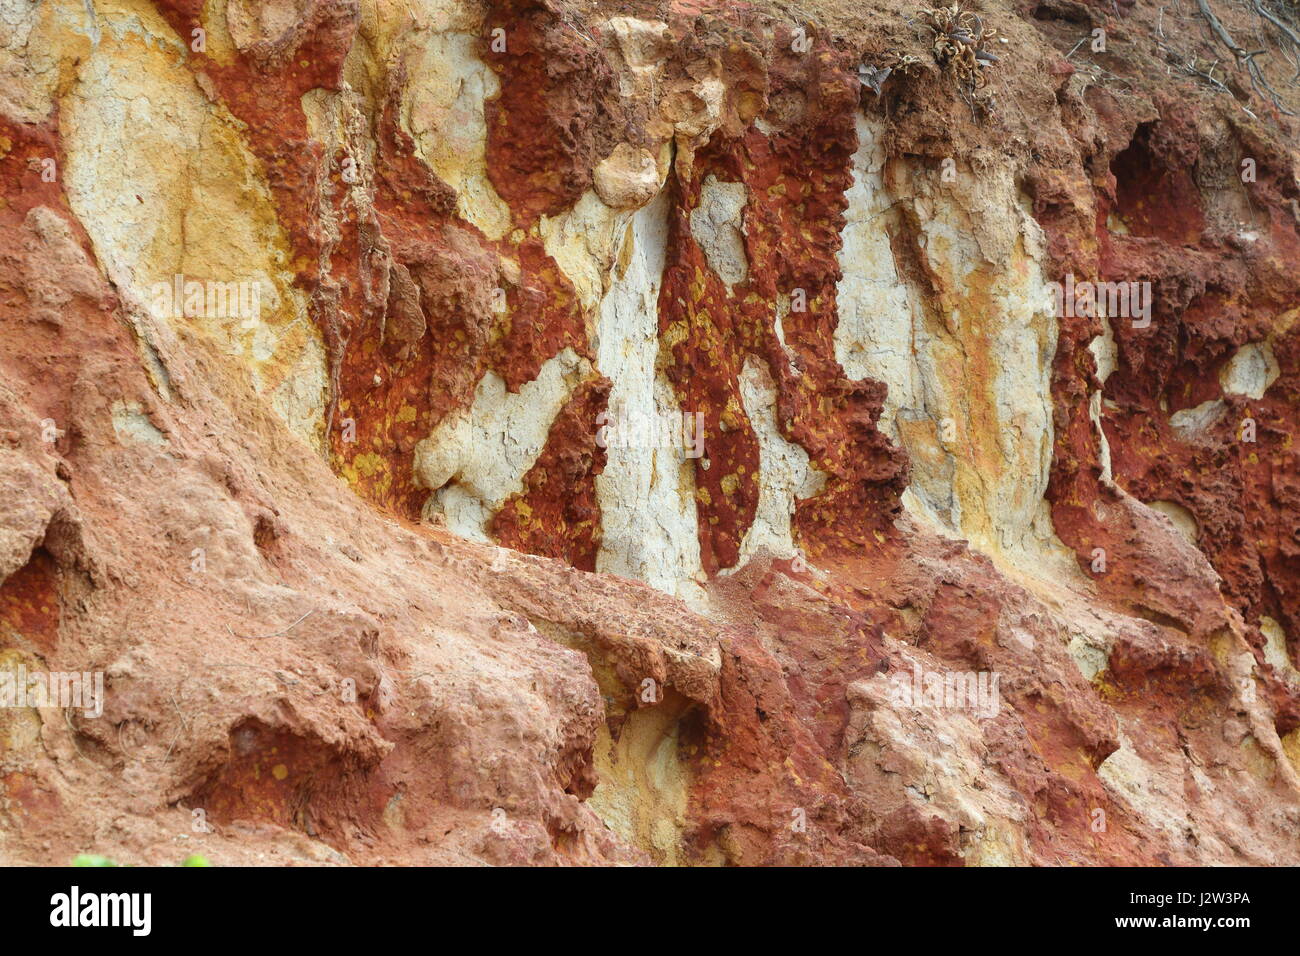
pixel 546 432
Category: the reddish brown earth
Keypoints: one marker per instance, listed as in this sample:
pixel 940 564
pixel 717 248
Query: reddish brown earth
pixel 306 658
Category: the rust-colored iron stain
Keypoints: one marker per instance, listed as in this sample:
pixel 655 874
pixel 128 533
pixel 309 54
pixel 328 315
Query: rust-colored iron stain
pixel 416 306
pixel 29 603
pixel 707 337
pixel 27 802
pixel 278 777
pixel 556 514
pixel 551 122
pixel 1244 496
pixel 793 218
pixel 392 378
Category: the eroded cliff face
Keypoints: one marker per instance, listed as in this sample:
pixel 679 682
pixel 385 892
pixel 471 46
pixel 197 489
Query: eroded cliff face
pixel 540 432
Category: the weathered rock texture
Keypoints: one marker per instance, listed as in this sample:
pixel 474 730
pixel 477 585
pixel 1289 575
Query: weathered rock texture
pixel 369 572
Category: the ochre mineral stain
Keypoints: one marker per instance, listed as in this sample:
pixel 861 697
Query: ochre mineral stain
pixel 368 582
